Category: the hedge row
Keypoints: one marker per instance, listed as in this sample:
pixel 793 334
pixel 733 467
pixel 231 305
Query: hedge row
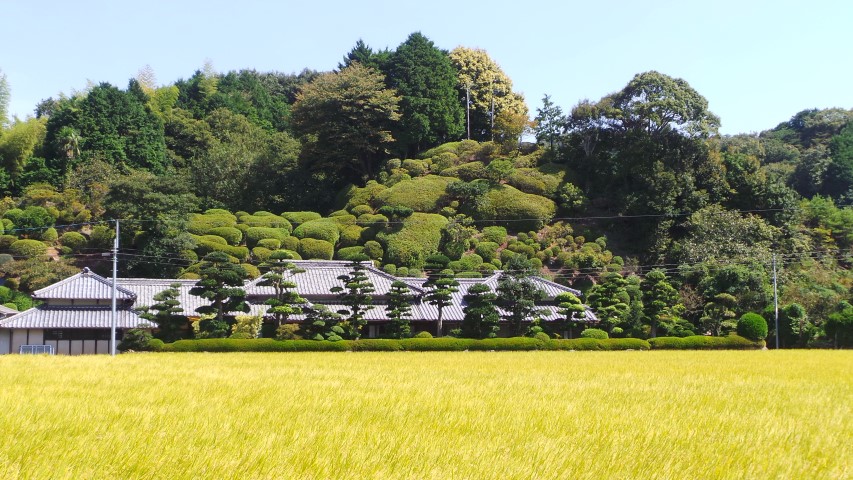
pixel 445 344
pixel 702 342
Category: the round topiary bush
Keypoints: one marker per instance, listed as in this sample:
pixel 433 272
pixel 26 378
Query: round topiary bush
pixel 255 234
pixel 312 248
pixel 542 336
pixel 373 249
pixel 290 243
pixel 231 235
pixel 298 218
pixel 423 335
pixel 27 248
pixel 752 326
pixel 73 240
pixel 49 235
pixel 595 333
pixel 322 229
pixel 270 243
pixel 349 253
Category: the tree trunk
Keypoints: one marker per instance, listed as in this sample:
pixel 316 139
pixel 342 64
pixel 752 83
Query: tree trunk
pixel 440 325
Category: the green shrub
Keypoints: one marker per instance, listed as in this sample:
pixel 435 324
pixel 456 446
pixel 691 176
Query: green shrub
pixel 212 239
pixel 390 268
pixel 422 335
pixel 73 240
pixel 525 211
pixel 156 345
pixel 254 234
pixel 416 168
pixel 291 253
pixel 290 243
pixel 752 326
pixel 5 258
pixel 494 234
pixel 403 271
pixel 350 236
pixel 135 339
pixel 298 218
pixel 598 344
pixel 205 247
pixel 323 229
pixel 189 276
pixel 270 243
pixel 261 254
pixel 527 184
pixel 200 224
pixel 703 342
pixel 372 220
pixel 466 171
pixel 6 241
pixel 267 221
pixel 49 235
pixel 409 244
pixel 488 251
pixel 351 195
pixel 373 250
pixel 220 212
pixel 376 345
pixel 421 194
pixel 348 253
pixel 310 248
pixel 360 210
pixel 27 248
pixel 231 235
pixel 542 336
pixel 595 333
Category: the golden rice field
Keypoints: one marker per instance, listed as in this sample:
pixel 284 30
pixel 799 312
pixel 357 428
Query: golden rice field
pixel 529 415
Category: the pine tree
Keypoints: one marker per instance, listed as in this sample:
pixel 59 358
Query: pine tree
pixel 222 285
pixel 440 286
pixel 166 313
pixel 399 310
pixel 517 294
pixel 286 301
pixel 570 309
pixel 481 316
pixel 355 294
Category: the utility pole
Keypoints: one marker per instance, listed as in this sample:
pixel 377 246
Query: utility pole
pixel 115 282
pixel 776 300
pixel 468 107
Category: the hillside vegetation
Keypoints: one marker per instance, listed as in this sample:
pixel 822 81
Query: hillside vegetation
pixel 667 226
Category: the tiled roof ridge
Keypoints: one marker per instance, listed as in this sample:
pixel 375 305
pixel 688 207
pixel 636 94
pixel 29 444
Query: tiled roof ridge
pixel 83 274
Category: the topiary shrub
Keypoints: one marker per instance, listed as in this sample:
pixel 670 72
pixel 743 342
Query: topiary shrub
pixel 421 194
pixel 526 211
pixel 267 221
pixel 156 345
pixel 6 241
pixel 494 234
pixel 488 251
pixel 254 234
pixel 373 249
pixel 261 254
pixel 270 243
pixel 49 235
pixel 298 218
pixel 752 326
pixel 349 253
pixel 251 270
pixel 204 247
pixel 416 168
pixel 409 244
pixel 402 271
pixel 231 235
pixel 704 342
pixel 360 210
pixel 135 339
pixel 422 335
pixel 350 236
pixel 27 248
pixel 542 337
pixel 594 333
pixel 390 269
pixel 466 171
pixel 5 258
pixel 323 229
pixel 292 254
pixel 290 243
pixel 310 248
pixel 73 240
pixel 200 224
pixel 212 239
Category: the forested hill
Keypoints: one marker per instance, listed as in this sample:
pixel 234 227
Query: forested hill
pixel 635 198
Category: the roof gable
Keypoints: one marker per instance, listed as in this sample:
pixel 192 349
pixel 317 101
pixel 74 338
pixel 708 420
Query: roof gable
pixel 86 285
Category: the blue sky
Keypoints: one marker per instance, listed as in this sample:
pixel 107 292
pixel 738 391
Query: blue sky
pixel 757 62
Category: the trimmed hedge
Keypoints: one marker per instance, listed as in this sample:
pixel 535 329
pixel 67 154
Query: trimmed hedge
pixel 323 229
pixel 298 218
pixel 310 248
pixel 27 248
pixel 270 243
pixel 703 342
pixel 421 194
pixel 231 235
pixel 410 244
pixel 204 247
pixel 254 234
pixel 444 344
pixel 507 203
pixel 267 220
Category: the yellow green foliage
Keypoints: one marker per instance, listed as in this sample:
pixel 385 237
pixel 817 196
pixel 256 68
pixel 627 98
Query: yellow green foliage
pixel 410 243
pixel 421 194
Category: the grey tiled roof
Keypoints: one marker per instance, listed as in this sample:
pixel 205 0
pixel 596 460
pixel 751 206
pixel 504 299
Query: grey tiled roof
pixel 321 275
pixel 73 317
pixel 84 285
pixel 6 311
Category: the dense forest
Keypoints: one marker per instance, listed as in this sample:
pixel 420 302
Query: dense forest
pixel 636 199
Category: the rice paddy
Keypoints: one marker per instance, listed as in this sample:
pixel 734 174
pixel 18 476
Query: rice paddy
pixel 527 415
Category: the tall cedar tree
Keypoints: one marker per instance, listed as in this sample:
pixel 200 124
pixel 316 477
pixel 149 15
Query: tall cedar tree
pixel 399 310
pixel 355 294
pixel 517 294
pixel 222 285
pixel 346 119
pixel 430 110
pixel 440 287
pixel 286 301
pixel 659 299
pixel 610 300
pixel 481 317
pixel 166 313
pixel 571 311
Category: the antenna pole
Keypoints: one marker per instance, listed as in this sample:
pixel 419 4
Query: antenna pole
pixel 775 301
pixel 115 282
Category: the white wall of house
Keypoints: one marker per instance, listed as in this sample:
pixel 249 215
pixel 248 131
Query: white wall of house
pixel 5 341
